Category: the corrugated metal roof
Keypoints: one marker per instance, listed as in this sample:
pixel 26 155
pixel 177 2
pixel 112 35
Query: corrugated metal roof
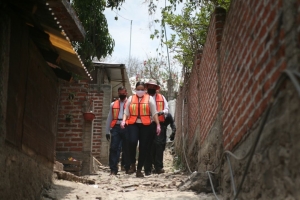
pixel 117 76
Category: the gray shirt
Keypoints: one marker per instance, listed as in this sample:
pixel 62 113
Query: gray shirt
pixel 110 118
pixel 152 106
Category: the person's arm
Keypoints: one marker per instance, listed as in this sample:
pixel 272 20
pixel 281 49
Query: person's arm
pixel 170 121
pixel 166 110
pixel 126 112
pixel 172 124
pixel 154 114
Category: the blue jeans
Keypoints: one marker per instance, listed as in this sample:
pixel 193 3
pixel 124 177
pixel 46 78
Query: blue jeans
pixel 117 136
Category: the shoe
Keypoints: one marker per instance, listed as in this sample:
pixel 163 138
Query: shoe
pixel 123 168
pixel 128 171
pixel 139 173
pixel 148 173
pixel 160 171
pixel 132 169
pixel 112 173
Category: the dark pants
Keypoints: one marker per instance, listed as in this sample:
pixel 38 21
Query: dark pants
pixel 157 151
pixel 121 152
pixel 143 134
pixel 117 137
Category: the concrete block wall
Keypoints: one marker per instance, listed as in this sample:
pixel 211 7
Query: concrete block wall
pixel 104 151
pixel 98 124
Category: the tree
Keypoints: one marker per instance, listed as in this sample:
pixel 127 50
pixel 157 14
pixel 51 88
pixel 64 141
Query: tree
pixel 134 66
pixel 98 42
pixel 190 28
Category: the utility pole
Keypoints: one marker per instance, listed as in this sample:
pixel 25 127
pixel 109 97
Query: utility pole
pixel 170 80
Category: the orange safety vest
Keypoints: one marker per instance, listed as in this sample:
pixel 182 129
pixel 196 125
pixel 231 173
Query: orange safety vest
pixel 160 106
pixel 139 109
pixel 115 112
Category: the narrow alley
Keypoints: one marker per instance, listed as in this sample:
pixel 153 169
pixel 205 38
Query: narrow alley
pixel 124 186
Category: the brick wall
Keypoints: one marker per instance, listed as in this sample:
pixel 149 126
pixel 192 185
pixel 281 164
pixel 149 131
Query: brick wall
pixel 70 134
pixel 208 87
pixel 243 57
pixel 252 56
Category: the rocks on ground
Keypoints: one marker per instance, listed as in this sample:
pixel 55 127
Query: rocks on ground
pixel 124 186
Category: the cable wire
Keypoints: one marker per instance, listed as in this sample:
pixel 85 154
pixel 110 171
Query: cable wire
pixel 211 183
pixel 122 16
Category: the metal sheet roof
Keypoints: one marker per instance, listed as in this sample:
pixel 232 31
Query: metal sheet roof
pixel 117 75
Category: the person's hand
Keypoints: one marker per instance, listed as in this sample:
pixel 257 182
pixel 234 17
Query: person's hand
pixel 160 113
pixel 107 136
pixel 122 125
pixel 172 136
pixel 158 129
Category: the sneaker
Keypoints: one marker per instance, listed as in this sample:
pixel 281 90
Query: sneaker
pixel 160 171
pixel 139 173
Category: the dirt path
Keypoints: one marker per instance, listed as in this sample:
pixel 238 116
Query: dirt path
pixel 123 186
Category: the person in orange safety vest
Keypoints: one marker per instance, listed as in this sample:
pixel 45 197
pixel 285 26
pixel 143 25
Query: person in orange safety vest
pixel 139 113
pixel 115 133
pixel 159 143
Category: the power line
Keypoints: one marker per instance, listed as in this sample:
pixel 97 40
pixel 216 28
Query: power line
pixel 122 16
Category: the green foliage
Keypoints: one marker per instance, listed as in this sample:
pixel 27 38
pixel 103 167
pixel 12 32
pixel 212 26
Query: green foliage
pixel 114 3
pixel 98 42
pixel 190 27
pixel 159 70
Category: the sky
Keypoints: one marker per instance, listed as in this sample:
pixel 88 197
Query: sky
pixel 142 46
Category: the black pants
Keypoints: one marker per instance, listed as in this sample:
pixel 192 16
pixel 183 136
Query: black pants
pixel 157 151
pixel 144 135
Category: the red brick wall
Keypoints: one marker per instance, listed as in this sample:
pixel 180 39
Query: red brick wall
pixel 252 58
pixel 70 134
pixel 208 87
pixel 192 99
pixel 181 112
pixel 242 59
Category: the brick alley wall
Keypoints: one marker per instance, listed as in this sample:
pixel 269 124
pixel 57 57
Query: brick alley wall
pixel 79 138
pixel 222 100
pixel 253 57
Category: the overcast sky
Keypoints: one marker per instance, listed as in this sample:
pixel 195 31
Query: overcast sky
pixel 141 44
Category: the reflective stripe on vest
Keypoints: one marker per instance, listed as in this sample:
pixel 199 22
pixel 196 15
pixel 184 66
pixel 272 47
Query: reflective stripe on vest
pixel 115 110
pixel 141 109
pixel 160 106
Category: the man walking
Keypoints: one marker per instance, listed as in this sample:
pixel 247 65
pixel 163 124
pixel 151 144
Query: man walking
pixel 115 133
